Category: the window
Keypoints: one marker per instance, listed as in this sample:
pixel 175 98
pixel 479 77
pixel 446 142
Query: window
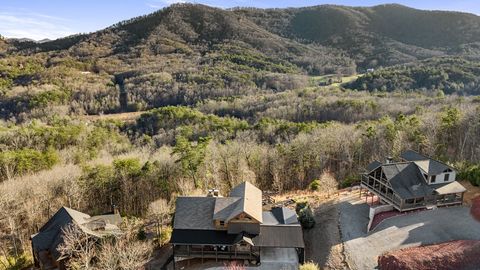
pixel 433 179
pixel 222 223
pixel 447 177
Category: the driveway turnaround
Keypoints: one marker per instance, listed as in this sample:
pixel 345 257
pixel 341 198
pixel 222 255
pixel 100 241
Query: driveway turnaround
pixel 415 229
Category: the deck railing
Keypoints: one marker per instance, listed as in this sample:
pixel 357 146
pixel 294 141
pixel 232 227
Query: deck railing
pixel 228 252
pixel 375 186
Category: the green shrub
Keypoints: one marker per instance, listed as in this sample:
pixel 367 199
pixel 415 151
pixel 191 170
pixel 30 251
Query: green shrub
pixel 314 185
pixel 306 217
pixel 300 205
pixel 348 181
pixel 165 235
pixel 309 266
pixel 472 174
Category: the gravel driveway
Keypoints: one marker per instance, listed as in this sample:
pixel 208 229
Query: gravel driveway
pixel 420 228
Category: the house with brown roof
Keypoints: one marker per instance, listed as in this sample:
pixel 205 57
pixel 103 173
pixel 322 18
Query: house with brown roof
pixel 415 182
pixel 234 227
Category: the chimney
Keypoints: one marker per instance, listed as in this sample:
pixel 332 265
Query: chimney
pixel 389 160
pixel 213 193
pixel 115 209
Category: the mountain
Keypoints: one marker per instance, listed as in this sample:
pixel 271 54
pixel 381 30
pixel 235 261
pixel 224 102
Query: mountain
pixel 375 36
pixel 186 54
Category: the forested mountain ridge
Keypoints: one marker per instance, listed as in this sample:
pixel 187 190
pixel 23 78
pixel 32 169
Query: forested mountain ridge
pixel 186 54
pixel 375 36
pixel 362 32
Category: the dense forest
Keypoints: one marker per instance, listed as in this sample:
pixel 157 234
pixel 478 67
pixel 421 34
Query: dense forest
pixel 276 97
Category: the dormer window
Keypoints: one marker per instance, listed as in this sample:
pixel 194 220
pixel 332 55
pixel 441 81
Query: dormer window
pixel 222 223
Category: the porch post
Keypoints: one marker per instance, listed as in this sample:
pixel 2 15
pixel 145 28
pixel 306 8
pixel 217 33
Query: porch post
pixel 173 254
pixel 202 254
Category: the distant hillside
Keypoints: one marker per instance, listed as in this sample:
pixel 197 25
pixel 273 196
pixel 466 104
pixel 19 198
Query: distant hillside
pixel 186 54
pixel 377 36
pixel 449 75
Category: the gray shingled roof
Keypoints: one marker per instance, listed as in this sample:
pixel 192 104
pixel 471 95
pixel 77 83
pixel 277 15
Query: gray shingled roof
pixel 431 166
pixel 50 236
pixel 373 165
pixel 280 216
pixel 199 213
pixel 194 213
pixel 407 180
pixel 224 206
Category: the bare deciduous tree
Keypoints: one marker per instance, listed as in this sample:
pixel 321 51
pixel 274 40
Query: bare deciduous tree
pixel 158 211
pixel 78 247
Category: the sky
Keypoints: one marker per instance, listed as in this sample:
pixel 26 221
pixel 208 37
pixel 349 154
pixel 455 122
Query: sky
pixel 51 19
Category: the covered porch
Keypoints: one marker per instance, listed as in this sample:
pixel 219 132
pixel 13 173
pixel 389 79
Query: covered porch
pixel 230 252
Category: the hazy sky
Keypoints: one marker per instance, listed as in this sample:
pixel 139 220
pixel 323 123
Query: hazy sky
pixel 39 19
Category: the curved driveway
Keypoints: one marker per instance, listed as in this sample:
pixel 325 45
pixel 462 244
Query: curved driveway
pixel 419 228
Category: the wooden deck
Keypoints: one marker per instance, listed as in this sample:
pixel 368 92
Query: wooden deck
pixel 209 252
pixel 384 192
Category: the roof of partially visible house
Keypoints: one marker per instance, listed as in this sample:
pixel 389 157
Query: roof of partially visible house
pixel 50 236
pixel 429 165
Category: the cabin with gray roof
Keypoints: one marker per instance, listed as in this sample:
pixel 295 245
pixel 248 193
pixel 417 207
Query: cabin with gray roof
pixel 45 243
pixel 416 182
pixel 234 227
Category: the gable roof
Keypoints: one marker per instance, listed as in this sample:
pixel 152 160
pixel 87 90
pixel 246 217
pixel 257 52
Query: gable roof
pixel 50 235
pixel 250 202
pixel 224 207
pixel 406 180
pixel 199 213
pixel 280 216
pixel 427 164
